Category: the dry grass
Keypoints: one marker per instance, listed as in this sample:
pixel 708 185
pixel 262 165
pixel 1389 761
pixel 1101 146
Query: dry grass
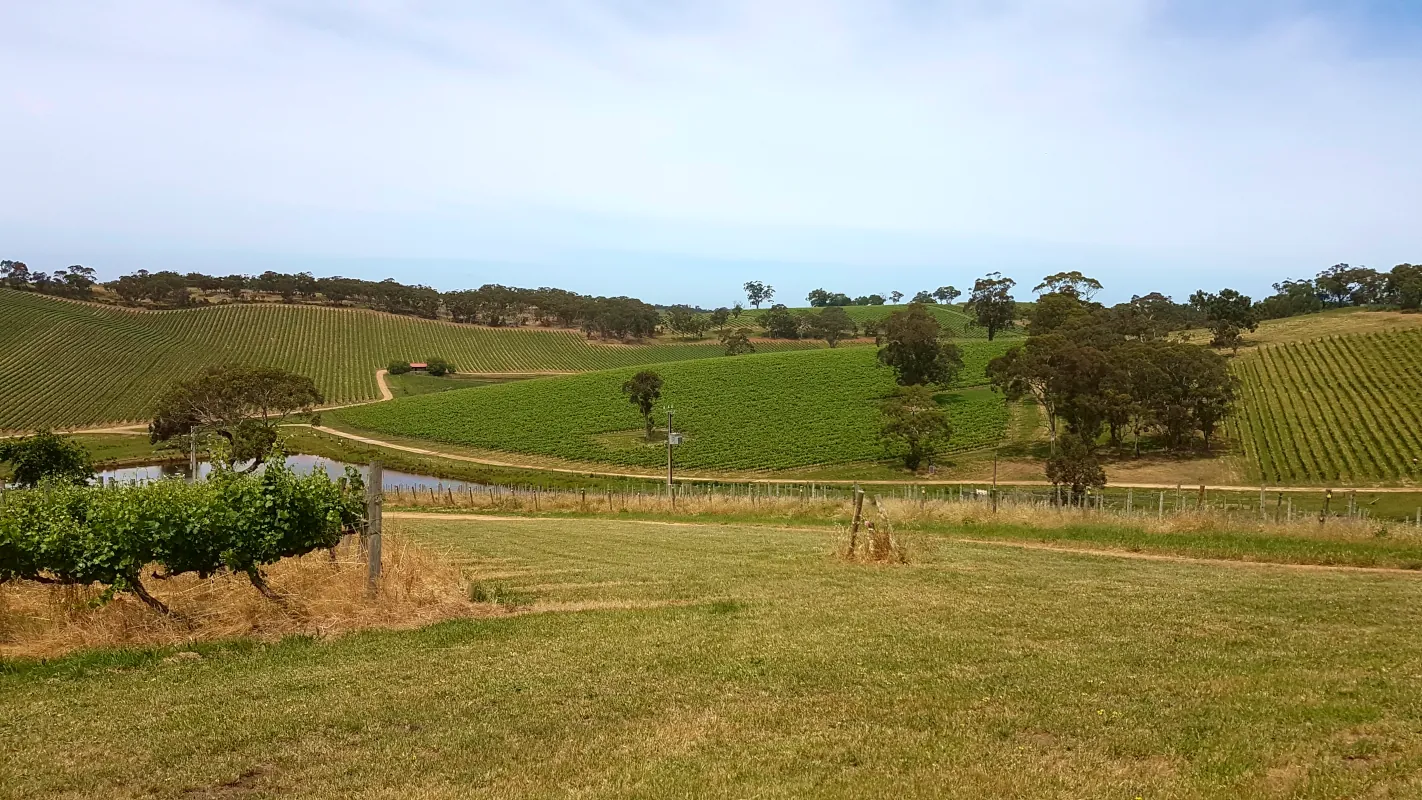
pixel 323 597
pixel 911 513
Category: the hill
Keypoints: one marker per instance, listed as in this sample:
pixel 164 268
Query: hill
pixel 952 318
pixel 1338 409
pixel 66 364
pixel 771 411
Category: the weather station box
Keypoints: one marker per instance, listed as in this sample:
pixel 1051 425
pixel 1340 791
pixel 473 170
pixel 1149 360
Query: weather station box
pixel 673 438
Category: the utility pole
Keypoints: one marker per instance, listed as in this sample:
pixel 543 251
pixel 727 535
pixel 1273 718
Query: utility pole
pixel 669 450
pixel 192 455
pixel 994 480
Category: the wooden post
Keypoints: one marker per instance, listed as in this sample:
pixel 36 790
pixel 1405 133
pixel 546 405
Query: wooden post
pixel 1200 501
pixel 1130 500
pixel 1162 504
pixel 1263 514
pixel 1327 501
pixel 374 497
pixel 994 480
pixel 858 519
pixel 1278 506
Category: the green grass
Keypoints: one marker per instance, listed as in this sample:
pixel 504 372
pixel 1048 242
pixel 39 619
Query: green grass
pixel 1342 409
pixel 952 318
pixel 757 412
pixel 748 662
pixel 65 364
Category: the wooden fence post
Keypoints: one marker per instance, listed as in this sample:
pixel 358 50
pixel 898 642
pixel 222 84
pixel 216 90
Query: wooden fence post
pixel 374 501
pixel 858 519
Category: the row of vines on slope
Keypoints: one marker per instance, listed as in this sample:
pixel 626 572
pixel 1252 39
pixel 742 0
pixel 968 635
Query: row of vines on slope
pixel 760 412
pixel 1340 409
pixel 66 364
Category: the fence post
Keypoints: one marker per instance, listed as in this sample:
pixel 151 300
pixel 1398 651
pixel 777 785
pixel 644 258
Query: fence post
pixel 374 501
pixel 1162 504
pixel 858 519
pixel 1130 500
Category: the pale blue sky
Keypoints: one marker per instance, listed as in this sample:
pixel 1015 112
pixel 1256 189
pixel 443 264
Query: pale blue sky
pixel 673 150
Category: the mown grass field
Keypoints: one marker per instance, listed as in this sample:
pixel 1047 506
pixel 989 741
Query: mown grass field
pixel 749 662
pixel 65 364
pixel 1341 409
pixel 757 412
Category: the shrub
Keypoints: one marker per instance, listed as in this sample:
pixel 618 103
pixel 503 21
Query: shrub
pixel 47 456
pixel 438 367
pixel 398 367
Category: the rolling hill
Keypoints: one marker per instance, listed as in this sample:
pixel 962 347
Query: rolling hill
pixel 66 364
pixel 757 412
pixel 952 318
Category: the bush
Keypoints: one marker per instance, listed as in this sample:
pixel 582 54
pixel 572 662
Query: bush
pixel 438 367
pixel 47 456
pixel 232 522
pixel 398 367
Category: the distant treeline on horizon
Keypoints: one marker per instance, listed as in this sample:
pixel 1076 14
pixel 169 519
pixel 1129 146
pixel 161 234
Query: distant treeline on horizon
pixel 626 317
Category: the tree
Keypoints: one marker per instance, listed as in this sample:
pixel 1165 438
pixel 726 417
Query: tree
pixel 1075 467
pixel 780 323
pixel 720 317
pixel 737 342
pixel 924 298
pixel 914 426
pixel 686 320
pixel 869 300
pixel 913 347
pixel 46 456
pixel 946 294
pixel 1053 310
pixel 438 367
pixel 991 303
pixel 398 367
pixel 1290 298
pixel 895 296
pixel 643 390
pixel 16 274
pixel 243 405
pixel 819 298
pixel 831 324
pixel 1228 314
pixel 736 310
pixel 757 292
pixel 1404 286
pixel 1072 283
pixel 1224 333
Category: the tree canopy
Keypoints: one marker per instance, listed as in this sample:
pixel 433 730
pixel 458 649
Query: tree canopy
pixel 46 456
pixel 643 390
pixel 914 427
pixel 991 303
pixel 242 405
pixel 914 347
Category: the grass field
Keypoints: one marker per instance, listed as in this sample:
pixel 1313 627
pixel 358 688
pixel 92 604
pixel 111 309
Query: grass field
pixel 755 412
pixel 749 662
pixel 65 364
pixel 1345 409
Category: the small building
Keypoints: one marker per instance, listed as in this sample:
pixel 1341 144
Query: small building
pixel 418 365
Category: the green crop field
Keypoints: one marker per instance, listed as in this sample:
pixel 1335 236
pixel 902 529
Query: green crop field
pixel 757 412
pixel 66 364
pixel 1340 409
pixel 952 318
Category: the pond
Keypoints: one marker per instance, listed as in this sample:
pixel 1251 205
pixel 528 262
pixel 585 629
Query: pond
pixel 302 464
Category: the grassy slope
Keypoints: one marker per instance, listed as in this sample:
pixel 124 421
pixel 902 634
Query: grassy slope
pixel 65 364
pixel 952 318
pixel 753 412
pixel 1340 409
pixel 747 662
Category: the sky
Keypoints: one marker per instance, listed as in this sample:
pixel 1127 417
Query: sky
pixel 674 149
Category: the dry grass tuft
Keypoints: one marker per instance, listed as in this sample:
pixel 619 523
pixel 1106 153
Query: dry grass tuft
pixel 323 597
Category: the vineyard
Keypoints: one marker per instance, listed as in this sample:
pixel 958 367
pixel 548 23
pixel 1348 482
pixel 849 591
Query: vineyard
pixel 952 318
pixel 1345 409
pixel 758 412
pixel 66 364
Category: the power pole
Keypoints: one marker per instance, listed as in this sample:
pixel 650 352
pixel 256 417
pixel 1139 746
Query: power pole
pixel 669 451
pixel 192 455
